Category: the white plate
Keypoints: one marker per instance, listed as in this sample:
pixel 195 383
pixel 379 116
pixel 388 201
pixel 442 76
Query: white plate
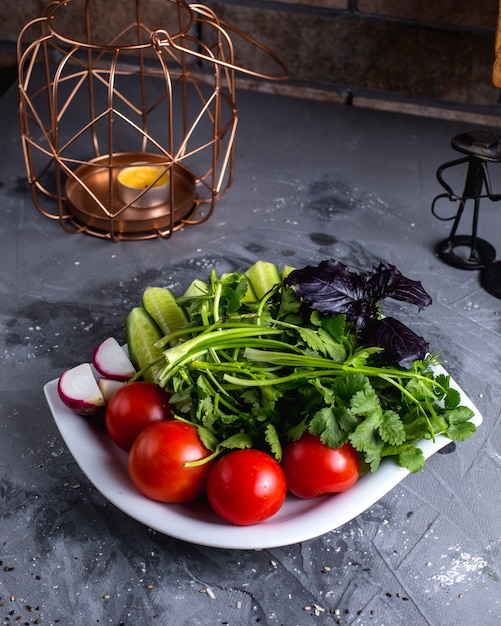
pixel 105 465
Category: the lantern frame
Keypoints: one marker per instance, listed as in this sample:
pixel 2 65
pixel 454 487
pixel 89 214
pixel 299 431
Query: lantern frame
pixel 144 96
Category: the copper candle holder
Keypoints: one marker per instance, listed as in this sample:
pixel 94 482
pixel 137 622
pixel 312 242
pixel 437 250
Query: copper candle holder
pixel 117 94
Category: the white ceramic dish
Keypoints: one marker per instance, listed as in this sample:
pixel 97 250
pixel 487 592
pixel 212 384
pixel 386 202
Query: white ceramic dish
pixel 105 465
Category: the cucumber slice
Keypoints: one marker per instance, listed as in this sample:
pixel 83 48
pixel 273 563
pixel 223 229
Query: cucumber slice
pixel 161 304
pixel 286 271
pixel 250 294
pixel 142 333
pixel 197 288
pixel 263 276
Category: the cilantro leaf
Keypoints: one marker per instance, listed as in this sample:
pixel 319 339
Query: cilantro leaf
pixel 420 389
pixel 233 288
pixel 452 399
pixel 461 431
pixel 331 347
pixel 361 356
pixel 344 387
pixel 460 414
pixel 412 459
pixel 311 339
pixel 328 424
pixel 373 457
pixel 391 428
pixel 290 306
pixel 335 326
pixel 366 402
pixel 207 438
pixel 365 438
pixel 294 432
pixel 273 440
pixel 237 441
pixel 443 382
pixel 460 428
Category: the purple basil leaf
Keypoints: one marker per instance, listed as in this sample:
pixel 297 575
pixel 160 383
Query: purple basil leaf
pixel 386 281
pixel 401 345
pixel 332 289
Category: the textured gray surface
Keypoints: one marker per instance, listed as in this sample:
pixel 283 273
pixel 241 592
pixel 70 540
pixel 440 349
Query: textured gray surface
pixel 312 180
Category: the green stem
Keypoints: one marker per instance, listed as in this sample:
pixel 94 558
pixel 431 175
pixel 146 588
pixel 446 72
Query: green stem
pixel 390 375
pixel 217 390
pixel 206 459
pixel 263 302
pixel 217 298
pixel 182 354
pixel 313 362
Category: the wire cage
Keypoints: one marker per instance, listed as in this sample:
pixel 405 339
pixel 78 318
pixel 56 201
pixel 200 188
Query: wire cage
pixel 128 131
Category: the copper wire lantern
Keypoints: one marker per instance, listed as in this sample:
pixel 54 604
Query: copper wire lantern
pixel 128 95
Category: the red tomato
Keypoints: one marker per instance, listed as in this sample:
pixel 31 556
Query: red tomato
pixel 311 468
pixel 246 487
pixel 133 407
pixel 157 458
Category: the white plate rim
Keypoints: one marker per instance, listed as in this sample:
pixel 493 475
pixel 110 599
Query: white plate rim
pixel 105 465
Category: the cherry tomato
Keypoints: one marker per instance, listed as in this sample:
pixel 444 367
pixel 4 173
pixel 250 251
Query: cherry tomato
pixel 311 468
pixel 157 462
pixel 246 487
pixel 133 407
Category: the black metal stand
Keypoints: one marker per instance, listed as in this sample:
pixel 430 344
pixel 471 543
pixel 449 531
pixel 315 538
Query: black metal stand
pixel 480 148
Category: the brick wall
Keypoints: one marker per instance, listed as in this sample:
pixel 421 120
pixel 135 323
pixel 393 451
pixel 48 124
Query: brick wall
pixel 409 54
pixel 380 52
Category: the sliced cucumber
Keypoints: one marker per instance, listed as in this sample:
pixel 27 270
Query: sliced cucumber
pixel 142 333
pixel 197 288
pixel 250 294
pixel 286 271
pixel 161 304
pixel 263 276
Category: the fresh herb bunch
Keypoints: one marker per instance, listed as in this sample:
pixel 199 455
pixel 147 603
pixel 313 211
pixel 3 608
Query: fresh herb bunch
pixel 313 353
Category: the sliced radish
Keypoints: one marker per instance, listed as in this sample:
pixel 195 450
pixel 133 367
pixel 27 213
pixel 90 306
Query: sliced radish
pixel 79 391
pixel 111 361
pixel 108 386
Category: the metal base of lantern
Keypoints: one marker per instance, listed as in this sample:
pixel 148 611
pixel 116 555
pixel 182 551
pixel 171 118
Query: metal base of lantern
pixel 491 279
pixel 482 254
pixel 93 200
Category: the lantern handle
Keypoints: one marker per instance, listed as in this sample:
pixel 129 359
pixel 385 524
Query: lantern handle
pixel 161 38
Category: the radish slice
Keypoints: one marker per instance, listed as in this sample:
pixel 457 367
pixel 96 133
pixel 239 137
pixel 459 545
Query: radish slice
pixel 111 361
pixel 108 387
pixel 79 391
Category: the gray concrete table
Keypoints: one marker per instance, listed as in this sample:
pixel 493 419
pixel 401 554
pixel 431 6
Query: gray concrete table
pixel 313 180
